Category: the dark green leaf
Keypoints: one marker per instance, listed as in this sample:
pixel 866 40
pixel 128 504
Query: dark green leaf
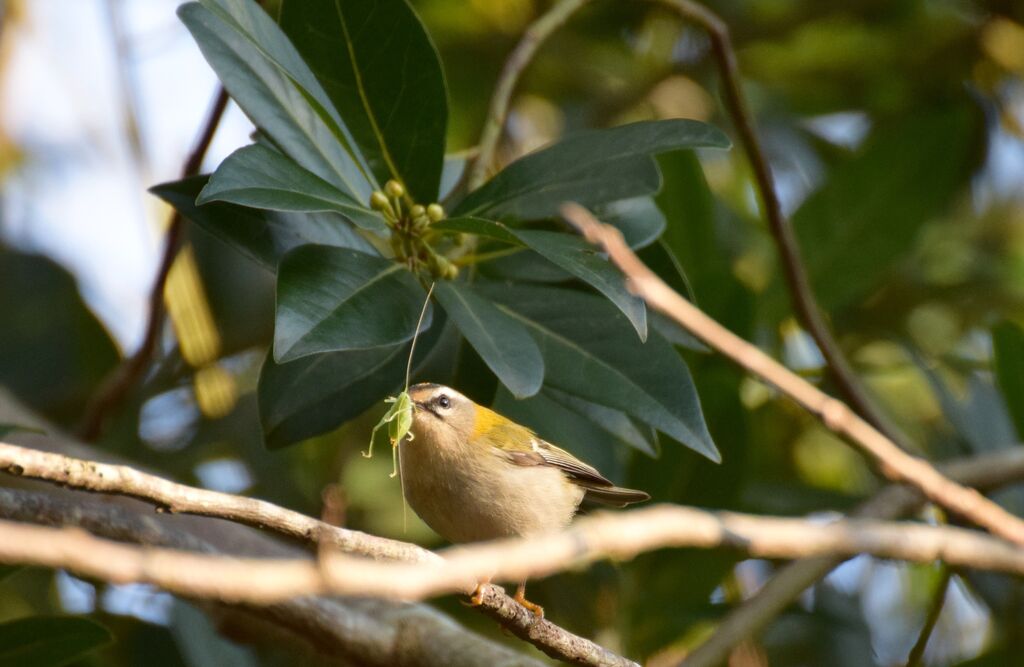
pixel 49 641
pixel 500 340
pixel 318 393
pixel 53 351
pixel 382 72
pixel 565 428
pixel 260 177
pixel 639 219
pixel 1008 349
pixel 264 236
pixel 268 79
pixel 8 570
pixel 592 167
pixel 333 299
pixel 615 422
pixel 589 351
pixel 870 208
pixel 569 252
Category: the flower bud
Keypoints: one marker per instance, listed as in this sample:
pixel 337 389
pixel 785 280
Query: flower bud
pixel 394 189
pixel 379 202
pixel 435 213
pixel 417 211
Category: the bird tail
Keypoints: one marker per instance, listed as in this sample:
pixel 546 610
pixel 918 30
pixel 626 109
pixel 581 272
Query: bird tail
pixel 616 496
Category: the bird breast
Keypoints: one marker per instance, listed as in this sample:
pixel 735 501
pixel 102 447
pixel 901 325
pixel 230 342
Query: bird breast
pixel 482 496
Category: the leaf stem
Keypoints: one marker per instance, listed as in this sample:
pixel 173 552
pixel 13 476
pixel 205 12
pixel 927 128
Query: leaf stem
pixel 416 335
pixel 536 34
pixel 478 258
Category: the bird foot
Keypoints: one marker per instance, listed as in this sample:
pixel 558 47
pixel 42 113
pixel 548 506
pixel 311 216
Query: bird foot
pixel 537 610
pixel 477 598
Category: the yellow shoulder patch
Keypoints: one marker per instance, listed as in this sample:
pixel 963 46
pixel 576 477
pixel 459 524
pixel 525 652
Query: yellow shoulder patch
pixel 486 420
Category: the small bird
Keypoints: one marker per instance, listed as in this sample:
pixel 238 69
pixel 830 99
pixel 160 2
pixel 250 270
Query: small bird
pixel 472 474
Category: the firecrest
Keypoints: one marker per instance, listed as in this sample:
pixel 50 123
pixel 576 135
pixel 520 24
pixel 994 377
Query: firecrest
pixel 472 474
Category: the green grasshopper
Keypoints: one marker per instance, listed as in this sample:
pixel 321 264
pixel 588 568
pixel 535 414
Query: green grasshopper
pixel 399 416
pixel 399 420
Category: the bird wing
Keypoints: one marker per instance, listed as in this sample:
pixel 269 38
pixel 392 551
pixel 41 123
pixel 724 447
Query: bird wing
pixel 542 452
pixel 598 487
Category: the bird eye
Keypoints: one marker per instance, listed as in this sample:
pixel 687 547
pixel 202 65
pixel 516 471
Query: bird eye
pixel 444 401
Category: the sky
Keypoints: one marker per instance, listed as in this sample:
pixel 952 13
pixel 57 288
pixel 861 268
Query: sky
pixel 80 196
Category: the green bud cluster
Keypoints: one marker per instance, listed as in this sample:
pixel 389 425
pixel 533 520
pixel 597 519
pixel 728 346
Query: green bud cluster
pixel 409 226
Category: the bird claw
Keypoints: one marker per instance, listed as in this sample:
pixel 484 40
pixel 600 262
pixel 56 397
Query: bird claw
pixel 537 610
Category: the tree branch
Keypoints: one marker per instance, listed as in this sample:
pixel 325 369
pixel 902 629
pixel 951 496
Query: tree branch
pixel 985 472
pixel 367 632
pixel 618 536
pixel 535 35
pixel 895 463
pixel 116 385
pixel 804 302
pixel 182 499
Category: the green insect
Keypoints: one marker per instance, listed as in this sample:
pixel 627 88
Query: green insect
pixel 399 416
pixel 399 420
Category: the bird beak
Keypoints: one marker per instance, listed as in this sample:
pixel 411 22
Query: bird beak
pixel 421 405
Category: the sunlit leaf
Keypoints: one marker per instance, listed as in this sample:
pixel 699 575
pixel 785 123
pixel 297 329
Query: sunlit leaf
pixel 383 74
pixel 268 79
pixel 263 178
pixel 263 236
pixel 591 167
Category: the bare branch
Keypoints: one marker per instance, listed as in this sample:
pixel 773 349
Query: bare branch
pixel 182 499
pixel 990 471
pixel 795 274
pixel 618 536
pixel 119 382
pixel 366 632
pixel 535 35
pixel 896 464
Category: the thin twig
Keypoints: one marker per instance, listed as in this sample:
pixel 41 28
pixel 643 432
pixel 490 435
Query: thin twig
pixel 895 463
pixel 985 472
pixel 932 618
pixel 117 384
pixel 182 499
pixel 535 35
pixel 606 535
pixel 795 274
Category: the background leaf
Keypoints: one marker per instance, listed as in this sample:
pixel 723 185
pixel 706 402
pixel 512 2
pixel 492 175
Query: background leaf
pixel 53 350
pixel 500 340
pixel 333 299
pixel 870 209
pixel 1008 344
pixel 49 641
pixel 590 167
pixel 381 70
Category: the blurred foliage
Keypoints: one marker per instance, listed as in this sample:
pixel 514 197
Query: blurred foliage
pixel 896 133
